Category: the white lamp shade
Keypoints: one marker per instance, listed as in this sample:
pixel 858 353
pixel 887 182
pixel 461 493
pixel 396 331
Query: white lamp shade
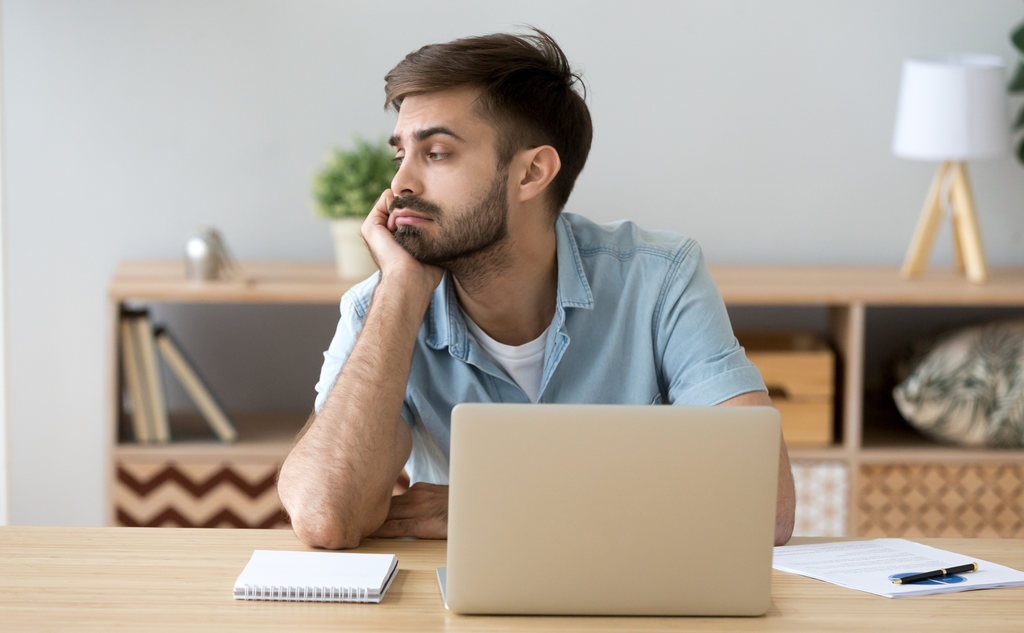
pixel 952 108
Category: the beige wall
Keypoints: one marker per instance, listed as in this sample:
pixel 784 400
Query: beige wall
pixel 761 128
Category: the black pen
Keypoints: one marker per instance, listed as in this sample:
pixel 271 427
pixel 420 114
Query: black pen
pixel 938 573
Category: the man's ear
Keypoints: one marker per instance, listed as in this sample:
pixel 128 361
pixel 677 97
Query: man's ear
pixel 537 168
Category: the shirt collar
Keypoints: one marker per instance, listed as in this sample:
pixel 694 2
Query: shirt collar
pixel 446 326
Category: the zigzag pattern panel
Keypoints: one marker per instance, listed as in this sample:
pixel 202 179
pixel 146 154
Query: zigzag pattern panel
pixel 197 509
pixel 948 501
pixel 198 495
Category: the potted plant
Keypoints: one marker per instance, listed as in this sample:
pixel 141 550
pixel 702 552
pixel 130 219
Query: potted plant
pixel 345 190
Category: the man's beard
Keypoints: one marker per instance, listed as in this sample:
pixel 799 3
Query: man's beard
pixel 469 245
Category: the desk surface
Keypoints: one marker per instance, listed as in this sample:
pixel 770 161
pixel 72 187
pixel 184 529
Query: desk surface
pixel 134 579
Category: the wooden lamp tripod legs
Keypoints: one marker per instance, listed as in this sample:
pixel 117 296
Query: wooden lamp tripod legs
pixel 968 254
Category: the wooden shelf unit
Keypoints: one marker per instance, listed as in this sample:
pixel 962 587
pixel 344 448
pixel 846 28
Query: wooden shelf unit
pixel 261 435
pixel 900 483
pixel 199 481
pixel 846 292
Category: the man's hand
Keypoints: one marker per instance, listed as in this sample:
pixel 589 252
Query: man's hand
pixel 391 258
pixel 337 480
pixel 421 512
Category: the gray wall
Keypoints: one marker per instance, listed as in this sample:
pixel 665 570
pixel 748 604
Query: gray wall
pixel 760 128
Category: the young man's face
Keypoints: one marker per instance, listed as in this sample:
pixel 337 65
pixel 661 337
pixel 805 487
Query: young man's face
pixel 451 200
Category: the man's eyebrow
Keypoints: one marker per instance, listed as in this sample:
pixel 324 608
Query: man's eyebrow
pixel 424 134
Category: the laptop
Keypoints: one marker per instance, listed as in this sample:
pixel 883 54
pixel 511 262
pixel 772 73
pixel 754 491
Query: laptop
pixel 611 509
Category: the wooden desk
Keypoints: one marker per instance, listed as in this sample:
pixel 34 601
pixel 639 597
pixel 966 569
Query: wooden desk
pixel 146 579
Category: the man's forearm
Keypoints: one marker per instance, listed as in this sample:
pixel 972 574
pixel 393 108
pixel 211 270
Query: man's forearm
pixel 336 483
pixel 785 504
pixel 785 500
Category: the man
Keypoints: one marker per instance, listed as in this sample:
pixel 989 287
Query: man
pixel 488 292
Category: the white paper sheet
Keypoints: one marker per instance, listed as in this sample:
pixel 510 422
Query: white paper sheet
pixel 871 566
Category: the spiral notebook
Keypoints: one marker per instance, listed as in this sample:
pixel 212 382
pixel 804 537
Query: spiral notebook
pixel 316 576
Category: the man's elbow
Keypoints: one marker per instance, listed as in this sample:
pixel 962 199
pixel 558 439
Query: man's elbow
pixel 328 533
pixel 783 530
pixel 315 522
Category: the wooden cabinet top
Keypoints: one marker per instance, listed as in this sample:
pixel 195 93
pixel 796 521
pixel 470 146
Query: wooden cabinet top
pixel 266 282
pixel 828 285
pixel 317 282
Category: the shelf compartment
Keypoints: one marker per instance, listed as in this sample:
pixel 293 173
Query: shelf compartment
pixel 888 438
pixel 198 481
pixel 261 436
pixel 799 370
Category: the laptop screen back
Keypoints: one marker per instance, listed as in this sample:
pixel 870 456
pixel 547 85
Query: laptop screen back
pixel 609 509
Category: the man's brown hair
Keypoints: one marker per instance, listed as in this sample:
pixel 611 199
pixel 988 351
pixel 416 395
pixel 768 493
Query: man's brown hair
pixel 527 90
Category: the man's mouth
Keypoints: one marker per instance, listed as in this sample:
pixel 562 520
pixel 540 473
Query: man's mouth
pixel 407 216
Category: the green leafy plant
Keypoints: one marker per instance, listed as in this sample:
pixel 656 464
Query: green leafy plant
pixel 1017 84
pixel 351 181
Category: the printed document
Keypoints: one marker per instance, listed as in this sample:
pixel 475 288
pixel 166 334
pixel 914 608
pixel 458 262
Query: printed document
pixel 871 566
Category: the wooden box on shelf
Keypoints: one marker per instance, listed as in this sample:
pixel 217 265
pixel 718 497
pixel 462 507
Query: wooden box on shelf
pixel 799 370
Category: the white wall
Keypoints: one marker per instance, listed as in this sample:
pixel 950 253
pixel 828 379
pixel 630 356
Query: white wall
pixel 4 496
pixel 761 128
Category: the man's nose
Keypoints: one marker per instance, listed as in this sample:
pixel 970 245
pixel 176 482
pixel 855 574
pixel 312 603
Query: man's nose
pixel 407 181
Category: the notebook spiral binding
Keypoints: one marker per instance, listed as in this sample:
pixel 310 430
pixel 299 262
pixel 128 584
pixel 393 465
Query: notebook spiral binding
pixel 307 594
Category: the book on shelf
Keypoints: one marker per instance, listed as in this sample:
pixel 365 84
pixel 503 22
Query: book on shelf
pixel 142 377
pixel 153 381
pixel 133 378
pixel 194 385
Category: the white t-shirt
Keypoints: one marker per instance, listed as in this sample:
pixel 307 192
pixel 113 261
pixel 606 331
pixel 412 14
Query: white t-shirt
pixel 523 363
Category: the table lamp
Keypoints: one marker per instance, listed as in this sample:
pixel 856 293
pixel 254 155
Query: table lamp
pixel 951 109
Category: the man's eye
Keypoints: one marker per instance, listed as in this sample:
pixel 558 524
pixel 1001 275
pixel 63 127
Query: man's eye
pixel 436 156
pixel 397 160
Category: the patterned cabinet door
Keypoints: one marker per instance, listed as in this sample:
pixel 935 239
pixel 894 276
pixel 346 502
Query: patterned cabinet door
pixel 177 494
pixel 822 493
pixel 932 500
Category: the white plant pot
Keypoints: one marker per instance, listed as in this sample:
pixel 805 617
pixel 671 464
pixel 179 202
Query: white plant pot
pixel 351 255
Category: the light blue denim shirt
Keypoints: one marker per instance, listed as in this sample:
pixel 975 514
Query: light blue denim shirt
pixel 638 321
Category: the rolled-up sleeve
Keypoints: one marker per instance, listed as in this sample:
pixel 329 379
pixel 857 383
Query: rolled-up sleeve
pixel 349 326
pixel 353 308
pixel 701 361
